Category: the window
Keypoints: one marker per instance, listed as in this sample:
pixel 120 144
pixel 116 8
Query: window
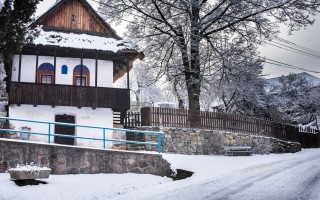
pixel 84 81
pixel 64 69
pixel 83 72
pixel 45 73
pixel 46 79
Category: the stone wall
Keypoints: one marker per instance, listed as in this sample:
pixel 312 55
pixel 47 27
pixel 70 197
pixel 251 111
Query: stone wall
pixel 118 135
pixel 204 142
pixel 74 160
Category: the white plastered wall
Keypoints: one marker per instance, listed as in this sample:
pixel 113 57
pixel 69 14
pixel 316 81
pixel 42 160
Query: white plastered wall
pixel 15 68
pixel 105 73
pixel 66 79
pixel 28 69
pixel 102 117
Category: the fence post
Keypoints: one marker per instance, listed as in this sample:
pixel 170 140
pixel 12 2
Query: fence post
pixel 146 116
pixel 194 118
pixel 159 142
pixel 49 132
pixel 104 138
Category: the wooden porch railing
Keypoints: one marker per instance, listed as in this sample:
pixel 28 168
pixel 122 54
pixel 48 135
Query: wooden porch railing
pixel 69 95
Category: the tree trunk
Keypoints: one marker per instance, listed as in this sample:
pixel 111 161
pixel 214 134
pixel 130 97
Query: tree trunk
pixel 191 61
pixel 193 96
pixel 181 104
pixel 194 81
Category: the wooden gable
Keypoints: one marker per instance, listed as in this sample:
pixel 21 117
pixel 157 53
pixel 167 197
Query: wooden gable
pixel 75 16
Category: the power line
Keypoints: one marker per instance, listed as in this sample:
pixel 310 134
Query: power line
pixel 282 64
pixel 297 49
pixel 287 48
pixel 297 45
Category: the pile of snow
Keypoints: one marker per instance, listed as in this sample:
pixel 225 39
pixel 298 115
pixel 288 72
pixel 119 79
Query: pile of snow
pixel 83 41
pixel 28 168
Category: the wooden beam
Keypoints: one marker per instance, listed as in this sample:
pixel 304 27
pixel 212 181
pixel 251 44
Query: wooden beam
pixel 37 63
pixel 96 74
pixel 19 72
pixel 54 77
pixel 128 79
pixel 55 65
pixel 81 68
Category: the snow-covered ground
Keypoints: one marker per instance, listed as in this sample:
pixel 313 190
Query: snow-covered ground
pixel 274 176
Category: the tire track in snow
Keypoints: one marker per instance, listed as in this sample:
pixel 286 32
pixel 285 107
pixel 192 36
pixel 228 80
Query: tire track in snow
pixel 310 186
pixel 295 182
pixel 264 181
pixel 229 185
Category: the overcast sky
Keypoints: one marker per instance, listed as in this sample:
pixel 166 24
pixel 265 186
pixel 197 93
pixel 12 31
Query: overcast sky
pixel 309 38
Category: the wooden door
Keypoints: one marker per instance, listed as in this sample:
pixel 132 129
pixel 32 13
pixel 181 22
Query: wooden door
pixel 65 130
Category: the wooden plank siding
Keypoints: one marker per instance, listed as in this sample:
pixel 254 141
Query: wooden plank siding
pixel 73 15
pixel 69 95
pixel 181 118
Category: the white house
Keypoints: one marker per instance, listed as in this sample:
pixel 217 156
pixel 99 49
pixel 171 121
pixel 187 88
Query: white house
pixel 66 74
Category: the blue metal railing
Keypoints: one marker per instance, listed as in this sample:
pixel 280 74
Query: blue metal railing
pixel 103 139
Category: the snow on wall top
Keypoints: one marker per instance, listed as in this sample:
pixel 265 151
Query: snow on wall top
pixel 30 168
pixel 83 41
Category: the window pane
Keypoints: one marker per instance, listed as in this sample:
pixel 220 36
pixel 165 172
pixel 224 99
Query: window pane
pixel 78 81
pixel 47 79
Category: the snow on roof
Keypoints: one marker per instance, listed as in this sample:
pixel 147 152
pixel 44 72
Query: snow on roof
pixel 83 41
pixel 42 13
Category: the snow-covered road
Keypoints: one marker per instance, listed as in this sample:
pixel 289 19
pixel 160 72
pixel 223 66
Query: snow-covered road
pixel 297 178
pixel 271 177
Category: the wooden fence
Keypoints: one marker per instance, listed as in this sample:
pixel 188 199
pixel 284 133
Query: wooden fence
pixel 309 140
pixel 131 120
pixel 169 117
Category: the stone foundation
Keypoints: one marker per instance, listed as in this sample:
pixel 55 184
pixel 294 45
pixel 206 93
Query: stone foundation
pixel 75 160
pixel 205 142
pixel 119 135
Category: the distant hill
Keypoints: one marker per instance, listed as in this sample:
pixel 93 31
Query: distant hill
pixel 313 79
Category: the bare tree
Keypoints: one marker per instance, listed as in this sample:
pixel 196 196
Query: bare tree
pixel 142 85
pixel 238 85
pixel 295 99
pixel 192 27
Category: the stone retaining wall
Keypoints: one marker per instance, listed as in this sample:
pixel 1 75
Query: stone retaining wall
pixel 204 142
pixel 75 160
pixel 118 135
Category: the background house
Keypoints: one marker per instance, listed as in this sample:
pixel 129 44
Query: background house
pixel 66 73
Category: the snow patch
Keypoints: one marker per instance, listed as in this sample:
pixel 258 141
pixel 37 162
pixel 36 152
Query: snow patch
pixel 253 177
pixel 1 4
pixel 28 168
pixel 82 41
